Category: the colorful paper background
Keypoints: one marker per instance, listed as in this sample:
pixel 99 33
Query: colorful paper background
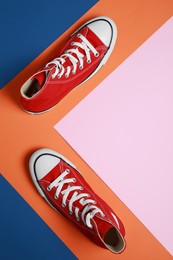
pixel 128 141
pixel 21 133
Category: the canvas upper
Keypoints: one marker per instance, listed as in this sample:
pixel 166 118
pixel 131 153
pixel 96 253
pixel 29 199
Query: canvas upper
pixel 65 189
pixel 80 58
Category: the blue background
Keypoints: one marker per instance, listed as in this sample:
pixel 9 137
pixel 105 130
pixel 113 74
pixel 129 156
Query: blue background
pixel 23 234
pixel 28 27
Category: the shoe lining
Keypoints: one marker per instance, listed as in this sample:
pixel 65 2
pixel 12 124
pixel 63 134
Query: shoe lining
pixel 32 89
pixel 114 240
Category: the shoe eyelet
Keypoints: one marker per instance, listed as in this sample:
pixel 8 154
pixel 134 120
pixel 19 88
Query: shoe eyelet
pixel 71 212
pixel 80 67
pixel 73 72
pixel 79 35
pixel 72 43
pixel 81 188
pixel 97 54
pixel 94 202
pixel 59 76
pixel 63 205
pixel 48 188
pixel 66 76
pixel 78 219
pixel 88 196
pixel 55 197
pixel 74 180
pixel 88 61
pixel 67 170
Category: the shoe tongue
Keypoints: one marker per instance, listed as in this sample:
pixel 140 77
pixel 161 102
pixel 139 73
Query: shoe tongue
pixel 90 36
pixel 93 38
pixel 103 226
pixel 41 77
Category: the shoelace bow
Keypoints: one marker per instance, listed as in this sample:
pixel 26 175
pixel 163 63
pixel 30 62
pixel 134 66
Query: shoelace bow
pixel 59 61
pixel 88 212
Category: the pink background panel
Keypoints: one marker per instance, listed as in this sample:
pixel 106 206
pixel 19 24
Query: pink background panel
pixel 124 131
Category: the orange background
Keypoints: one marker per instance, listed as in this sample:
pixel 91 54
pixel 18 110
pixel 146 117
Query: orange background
pixel 21 133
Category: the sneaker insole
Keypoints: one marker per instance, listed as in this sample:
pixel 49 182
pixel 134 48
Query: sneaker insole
pixel 33 88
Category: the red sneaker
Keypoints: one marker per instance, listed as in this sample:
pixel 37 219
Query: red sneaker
pixel 63 187
pixel 79 59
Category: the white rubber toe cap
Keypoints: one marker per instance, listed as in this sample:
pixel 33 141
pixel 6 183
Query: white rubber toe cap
pixel 42 162
pixel 103 30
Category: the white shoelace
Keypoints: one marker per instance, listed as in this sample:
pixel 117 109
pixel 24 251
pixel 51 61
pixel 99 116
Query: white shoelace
pixel 58 62
pixel 88 212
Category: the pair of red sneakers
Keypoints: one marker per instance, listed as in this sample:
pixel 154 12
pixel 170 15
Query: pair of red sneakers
pixel 57 179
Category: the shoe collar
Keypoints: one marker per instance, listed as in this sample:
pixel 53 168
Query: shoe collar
pixel 109 233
